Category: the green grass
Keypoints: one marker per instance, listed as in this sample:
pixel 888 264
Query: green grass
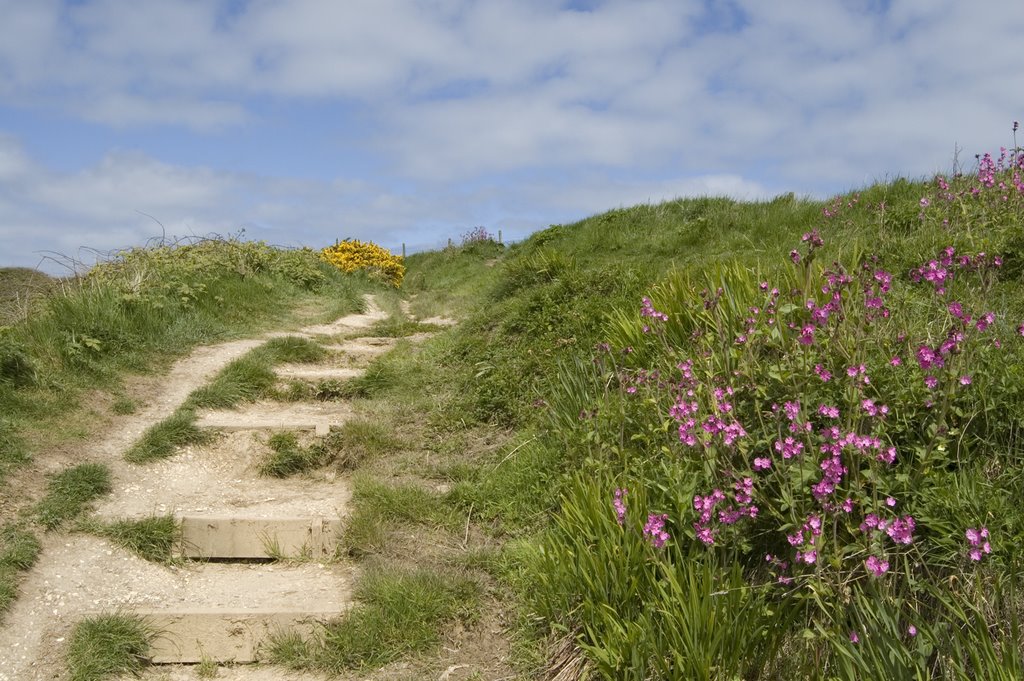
pixel 399 612
pixel 153 538
pixel 13 451
pixel 251 376
pixel 379 506
pixel 19 550
pixel 348 447
pixel 162 439
pixel 21 288
pixel 103 646
pixel 287 457
pixel 448 282
pixel 69 493
pixel 394 327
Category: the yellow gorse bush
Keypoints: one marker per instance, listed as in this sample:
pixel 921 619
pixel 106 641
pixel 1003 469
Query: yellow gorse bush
pixel 351 255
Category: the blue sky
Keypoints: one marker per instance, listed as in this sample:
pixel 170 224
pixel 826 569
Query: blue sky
pixel 412 121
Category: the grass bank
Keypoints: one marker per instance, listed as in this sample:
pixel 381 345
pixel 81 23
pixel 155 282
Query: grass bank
pixel 756 439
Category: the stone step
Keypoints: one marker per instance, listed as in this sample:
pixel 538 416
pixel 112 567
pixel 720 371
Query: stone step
pixel 240 637
pixel 254 538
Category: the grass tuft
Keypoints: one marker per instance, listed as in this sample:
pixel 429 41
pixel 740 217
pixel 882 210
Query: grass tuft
pixel 19 550
pixel 107 645
pixel 70 491
pixel 288 457
pixel 350 445
pixel 161 439
pixel 152 538
pixel 400 612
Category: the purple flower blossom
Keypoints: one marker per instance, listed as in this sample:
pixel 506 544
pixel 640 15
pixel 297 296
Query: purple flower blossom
pixel 762 463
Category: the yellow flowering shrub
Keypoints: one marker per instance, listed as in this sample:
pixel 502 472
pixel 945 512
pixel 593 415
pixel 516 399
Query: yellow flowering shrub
pixel 351 255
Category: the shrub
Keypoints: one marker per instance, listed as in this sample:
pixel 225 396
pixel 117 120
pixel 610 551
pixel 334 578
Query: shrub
pixel 352 255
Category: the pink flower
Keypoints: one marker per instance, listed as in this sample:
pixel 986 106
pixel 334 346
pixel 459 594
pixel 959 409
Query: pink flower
pixel 825 376
pixel 912 630
pixel 620 505
pixel 655 529
pixel 876 566
pixel 965 380
pixel 854 638
pixel 977 539
pixel 896 361
pixel 762 463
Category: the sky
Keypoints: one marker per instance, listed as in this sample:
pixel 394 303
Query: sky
pixel 300 122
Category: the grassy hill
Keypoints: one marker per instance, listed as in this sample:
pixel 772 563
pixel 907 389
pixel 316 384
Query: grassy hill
pixel 758 439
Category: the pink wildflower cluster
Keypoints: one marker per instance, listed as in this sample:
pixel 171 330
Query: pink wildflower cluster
pixel 977 540
pixel 899 529
pixel 941 270
pixel 742 506
pixel 620 504
pixel 804 540
pixel 655 531
pixel 647 310
pixel 875 287
pixel 877 566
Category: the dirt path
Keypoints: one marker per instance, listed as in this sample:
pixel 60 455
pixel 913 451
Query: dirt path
pixel 79 574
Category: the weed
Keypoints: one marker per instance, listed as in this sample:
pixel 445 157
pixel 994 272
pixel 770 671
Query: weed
pixel 162 439
pixel 207 668
pixel 106 645
pixel 70 491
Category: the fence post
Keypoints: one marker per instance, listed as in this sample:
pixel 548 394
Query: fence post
pixel 403 250
pixel 449 242
pixel 499 236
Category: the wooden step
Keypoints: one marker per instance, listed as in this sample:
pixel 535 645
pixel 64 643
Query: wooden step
pixel 241 637
pixel 225 537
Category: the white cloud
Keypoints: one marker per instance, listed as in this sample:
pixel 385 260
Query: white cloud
pixel 493 110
